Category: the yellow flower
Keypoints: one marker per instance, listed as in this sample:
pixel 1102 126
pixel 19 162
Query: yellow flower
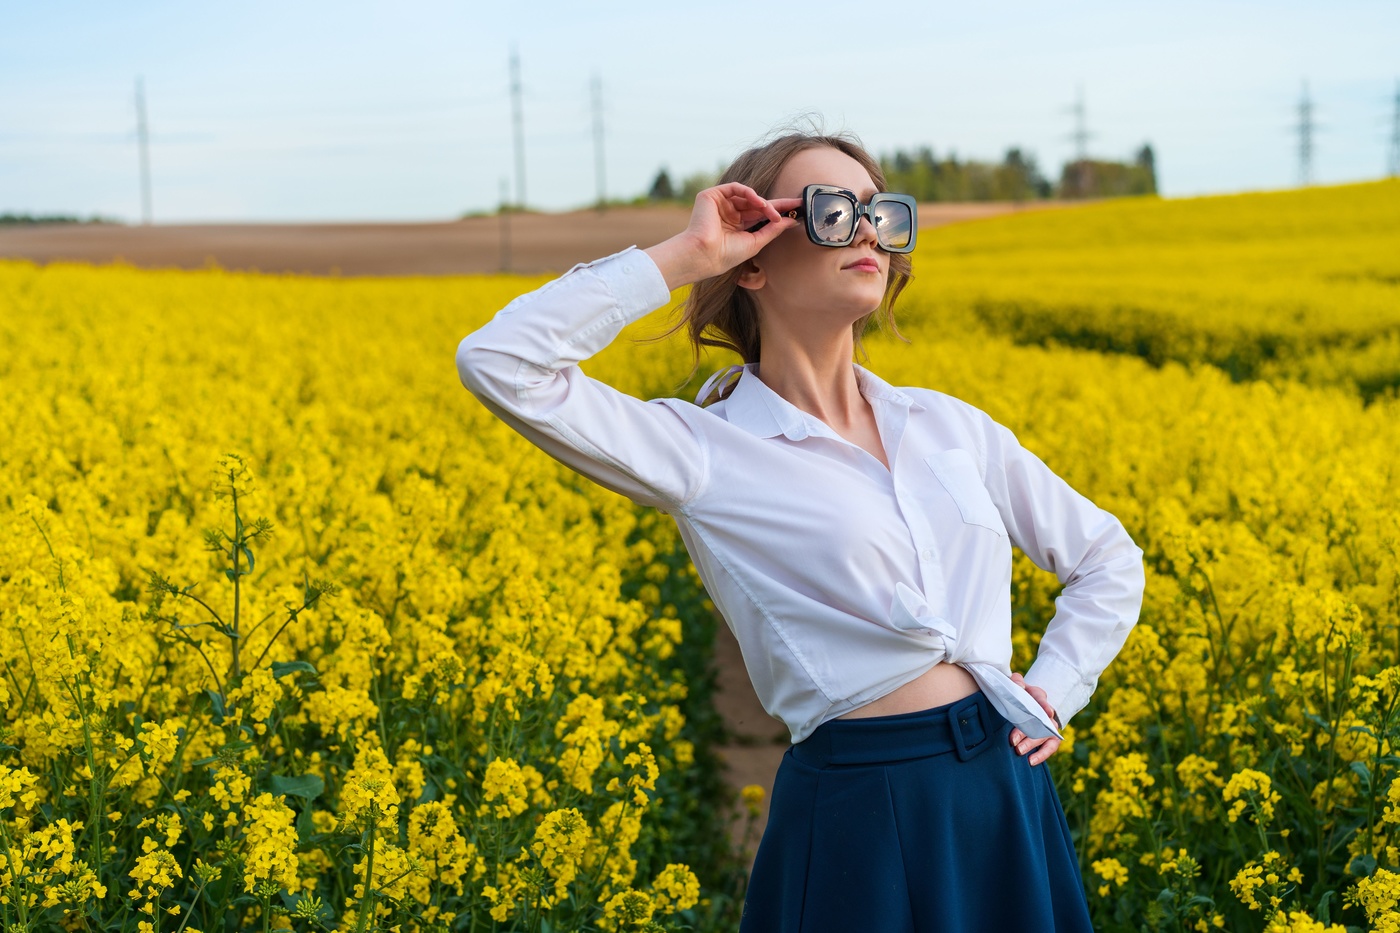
pixel 1250 789
pixel 271 843
pixel 505 781
pixel 676 888
pixel 752 797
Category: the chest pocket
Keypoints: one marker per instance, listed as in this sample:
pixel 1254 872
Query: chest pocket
pixel 957 471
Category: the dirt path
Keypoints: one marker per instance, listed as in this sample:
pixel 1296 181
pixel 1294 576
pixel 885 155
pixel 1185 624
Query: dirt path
pixel 758 743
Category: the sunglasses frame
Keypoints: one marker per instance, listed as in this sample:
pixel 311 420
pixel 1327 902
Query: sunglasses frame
pixel 809 194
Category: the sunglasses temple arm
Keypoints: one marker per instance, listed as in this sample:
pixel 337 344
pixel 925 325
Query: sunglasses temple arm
pixel 800 213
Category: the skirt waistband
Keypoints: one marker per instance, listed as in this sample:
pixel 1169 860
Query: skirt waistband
pixel 966 727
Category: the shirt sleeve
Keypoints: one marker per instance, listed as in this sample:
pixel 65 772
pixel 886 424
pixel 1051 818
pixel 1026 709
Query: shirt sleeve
pixel 523 366
pixel 1090 552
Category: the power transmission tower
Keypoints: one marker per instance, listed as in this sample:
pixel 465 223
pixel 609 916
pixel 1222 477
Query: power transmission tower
pixel 142 143
pixel 519 121
pixel 1305 134
pixel 505 224
pixel 598 137
pixel 1080 136
pixel 1395 135
pixel 1081 129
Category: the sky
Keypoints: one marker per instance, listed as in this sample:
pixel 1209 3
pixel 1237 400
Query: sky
pixel 305 110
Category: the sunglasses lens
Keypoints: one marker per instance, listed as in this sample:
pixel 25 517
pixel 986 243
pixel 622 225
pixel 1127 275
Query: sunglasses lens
pixel 893 224
pixel 833 217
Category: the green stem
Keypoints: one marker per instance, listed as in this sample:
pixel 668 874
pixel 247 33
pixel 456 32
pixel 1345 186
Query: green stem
pixel 1375 775
pixel 194 900
pixel 367 903
pixel 237 580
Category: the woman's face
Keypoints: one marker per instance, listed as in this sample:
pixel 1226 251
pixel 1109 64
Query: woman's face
pixel 806 284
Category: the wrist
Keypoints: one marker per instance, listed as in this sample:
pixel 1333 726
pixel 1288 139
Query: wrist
pixel 676 258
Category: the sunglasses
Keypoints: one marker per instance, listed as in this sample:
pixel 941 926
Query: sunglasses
pixel 833 213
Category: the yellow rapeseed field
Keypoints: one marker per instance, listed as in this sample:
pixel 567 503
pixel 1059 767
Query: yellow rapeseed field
pixel 1301 284
pixel 297 635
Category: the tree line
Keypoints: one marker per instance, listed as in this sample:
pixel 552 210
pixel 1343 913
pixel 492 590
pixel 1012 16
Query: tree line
pixel 1015 178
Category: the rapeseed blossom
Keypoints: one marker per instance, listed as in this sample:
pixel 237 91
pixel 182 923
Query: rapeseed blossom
pixel 431 621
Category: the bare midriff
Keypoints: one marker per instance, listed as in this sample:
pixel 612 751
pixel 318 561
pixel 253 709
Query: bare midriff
pixel 943 683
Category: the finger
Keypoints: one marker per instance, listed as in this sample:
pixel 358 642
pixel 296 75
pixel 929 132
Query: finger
pixel 1016 736
pixel 773 229
pixel 770 207
pixel 1045 752
pixel 742 194
pixel 1026 745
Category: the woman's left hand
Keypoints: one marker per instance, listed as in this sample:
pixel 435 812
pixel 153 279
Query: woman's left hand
pixel 1046 747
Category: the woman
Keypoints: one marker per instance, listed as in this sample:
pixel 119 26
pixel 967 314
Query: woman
pixel 855 536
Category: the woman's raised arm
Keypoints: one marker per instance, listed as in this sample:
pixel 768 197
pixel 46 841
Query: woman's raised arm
pixel 523 365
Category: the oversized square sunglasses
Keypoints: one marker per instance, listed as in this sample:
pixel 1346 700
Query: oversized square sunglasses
pixel 832 215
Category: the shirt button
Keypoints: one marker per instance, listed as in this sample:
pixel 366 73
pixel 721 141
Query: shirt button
pixel 927 553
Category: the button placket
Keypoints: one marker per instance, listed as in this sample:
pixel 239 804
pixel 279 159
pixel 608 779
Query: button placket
pixel 926 549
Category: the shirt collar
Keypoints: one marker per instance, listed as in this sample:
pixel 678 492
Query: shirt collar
pixel 762 412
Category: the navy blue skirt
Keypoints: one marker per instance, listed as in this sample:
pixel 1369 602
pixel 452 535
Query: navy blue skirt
pixel 923 822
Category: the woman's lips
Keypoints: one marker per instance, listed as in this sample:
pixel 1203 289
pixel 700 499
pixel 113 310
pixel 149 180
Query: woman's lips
pixel 865 265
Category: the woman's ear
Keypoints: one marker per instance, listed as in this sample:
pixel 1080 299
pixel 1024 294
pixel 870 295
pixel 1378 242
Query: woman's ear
pixel 750 275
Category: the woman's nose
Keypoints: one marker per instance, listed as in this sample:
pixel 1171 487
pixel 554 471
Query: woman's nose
pixel 865 230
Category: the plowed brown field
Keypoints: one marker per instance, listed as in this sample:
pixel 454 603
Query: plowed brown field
pixel 538 242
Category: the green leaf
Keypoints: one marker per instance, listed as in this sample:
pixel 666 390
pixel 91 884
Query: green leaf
pixel 1324 908
pixel 308 786
pixel 1363 865
pixel 1360 768
pixel 247 552
pixel 279 668
pixel 217 702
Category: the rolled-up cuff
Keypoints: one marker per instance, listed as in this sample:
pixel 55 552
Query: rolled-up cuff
pixel 1064 687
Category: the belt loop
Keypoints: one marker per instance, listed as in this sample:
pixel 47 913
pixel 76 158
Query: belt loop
pixel 970 727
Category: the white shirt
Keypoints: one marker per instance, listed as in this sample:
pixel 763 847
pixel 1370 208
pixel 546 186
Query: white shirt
pixel 840 579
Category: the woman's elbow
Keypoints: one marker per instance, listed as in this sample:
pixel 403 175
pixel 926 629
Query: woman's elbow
pixel 478 366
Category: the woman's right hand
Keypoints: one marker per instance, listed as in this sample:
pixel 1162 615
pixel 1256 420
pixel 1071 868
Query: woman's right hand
pixel 717 238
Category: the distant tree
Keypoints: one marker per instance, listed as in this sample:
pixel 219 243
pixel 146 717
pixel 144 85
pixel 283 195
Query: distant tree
pixel 661 189
pixel 1019 178
pixel 695 183
pixel 1146 161
pixel 928 178
pixel 1098 178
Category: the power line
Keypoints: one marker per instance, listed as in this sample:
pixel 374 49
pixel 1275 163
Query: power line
pixel 144 147
pixel 519 121
pixel 598 136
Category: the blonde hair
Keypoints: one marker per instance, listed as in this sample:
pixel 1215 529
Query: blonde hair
pixel 719 313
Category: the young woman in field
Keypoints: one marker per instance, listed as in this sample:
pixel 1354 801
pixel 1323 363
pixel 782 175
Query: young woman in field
pixel 856 537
